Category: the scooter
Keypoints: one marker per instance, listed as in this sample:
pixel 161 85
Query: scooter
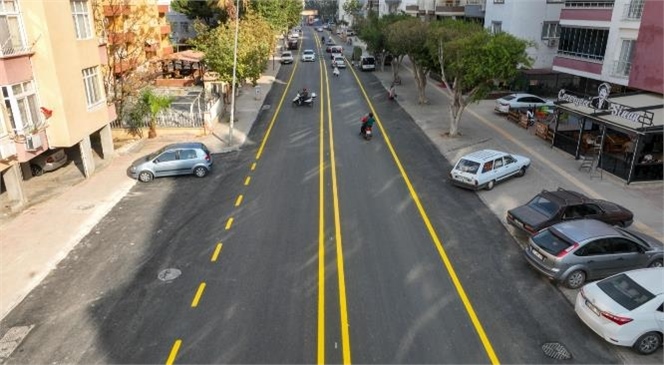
pixel 367 133
pixel 297 101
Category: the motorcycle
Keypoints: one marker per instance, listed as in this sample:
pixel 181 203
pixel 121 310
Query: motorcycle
pixel 297 101
pixel 367 133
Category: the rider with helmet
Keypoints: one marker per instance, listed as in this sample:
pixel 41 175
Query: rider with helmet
pixel 304 94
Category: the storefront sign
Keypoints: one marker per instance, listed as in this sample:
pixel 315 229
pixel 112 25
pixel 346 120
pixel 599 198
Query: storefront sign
pixel 601 102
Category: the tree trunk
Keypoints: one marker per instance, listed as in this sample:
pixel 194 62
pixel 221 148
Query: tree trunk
pixel 152 132
pixel 456 110
pixel 421 79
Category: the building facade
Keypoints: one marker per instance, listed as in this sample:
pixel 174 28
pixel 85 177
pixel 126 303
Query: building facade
pixel 51 70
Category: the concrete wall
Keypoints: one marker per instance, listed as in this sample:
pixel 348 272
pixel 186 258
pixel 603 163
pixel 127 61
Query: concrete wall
pixel 648 63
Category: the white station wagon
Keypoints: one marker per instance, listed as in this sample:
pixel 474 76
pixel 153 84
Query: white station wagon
pixel 483 169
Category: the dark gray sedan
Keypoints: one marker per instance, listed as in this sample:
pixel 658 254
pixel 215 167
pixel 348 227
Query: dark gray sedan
pixel 550 207
pixel 587 249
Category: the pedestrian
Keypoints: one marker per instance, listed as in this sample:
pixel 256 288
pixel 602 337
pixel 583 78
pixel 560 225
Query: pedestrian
pixel 392 93
pixel 336 71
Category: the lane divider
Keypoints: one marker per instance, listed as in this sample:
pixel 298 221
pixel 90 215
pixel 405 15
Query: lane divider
pixel 217 251
pixel 341 276
pixel 229 223
pixel 174 352
pixel 199 294
pixel 488 348
pixel 238 201
pixel 320 353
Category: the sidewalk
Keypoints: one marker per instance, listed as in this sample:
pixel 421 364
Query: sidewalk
pixel 35 241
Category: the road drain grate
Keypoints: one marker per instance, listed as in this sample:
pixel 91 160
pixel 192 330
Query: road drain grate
pixel 12 339
pixel 556 351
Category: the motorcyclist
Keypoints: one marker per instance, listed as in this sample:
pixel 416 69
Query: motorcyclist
pixel 367 122
pixel 322 39
pixel 304 95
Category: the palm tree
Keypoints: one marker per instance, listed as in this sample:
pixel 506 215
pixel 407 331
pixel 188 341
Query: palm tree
pixel 152 104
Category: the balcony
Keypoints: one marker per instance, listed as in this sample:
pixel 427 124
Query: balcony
pixel 12 46
pixel 121 37
pixel 116 10
pixel 412 9
pixel 621 69
pixel 451 8
pixel 165 29
pixel 633 11
pixel 392 2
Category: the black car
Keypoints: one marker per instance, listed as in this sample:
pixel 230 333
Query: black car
pixel 550 207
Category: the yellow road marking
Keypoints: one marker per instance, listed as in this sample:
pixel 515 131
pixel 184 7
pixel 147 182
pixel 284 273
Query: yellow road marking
pixel 174 352
pixel 321 229
pixel 217 251
pixel 238 201
pixel 253 166
pixel 197 297
pixel 341 276
pixel 229 223
pixel 247 180
pixel 488 348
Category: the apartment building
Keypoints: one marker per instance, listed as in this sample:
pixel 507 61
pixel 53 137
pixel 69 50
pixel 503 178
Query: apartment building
pixel 51 70
pixel 536 21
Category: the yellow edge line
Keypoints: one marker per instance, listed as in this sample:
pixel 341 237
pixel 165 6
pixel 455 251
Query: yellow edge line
pixel 276 112
pixel 199 294
pixel 343 308
pixel 434 236
pixel 174 352
pixel 216 253
pixel 321 233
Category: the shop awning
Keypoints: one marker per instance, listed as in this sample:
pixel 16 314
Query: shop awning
pixel 637 112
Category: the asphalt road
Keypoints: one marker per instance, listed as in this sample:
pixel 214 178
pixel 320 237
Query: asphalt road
pixel 309 245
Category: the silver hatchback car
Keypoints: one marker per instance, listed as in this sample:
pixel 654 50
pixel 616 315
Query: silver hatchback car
pixel 175 159
pixel 587 249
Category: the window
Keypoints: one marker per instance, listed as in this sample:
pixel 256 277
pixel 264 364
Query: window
pixel 11 35
pixel 499 1
pixel 599 247
pixel 509 160
pixel 625 291
pixel 21 104
pixel 624 64
pixel 91 82
pixel 488 166
pixel 496 27
pixel 79 10
pixel 3 126
pixel 167 156
pixel 187 154
pixel 634 10
pixel 589 43
pixel 550 30
pixel 498 163
pixel 622 245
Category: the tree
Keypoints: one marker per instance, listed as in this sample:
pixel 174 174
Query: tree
pixel 471 60
pixel 206 11
pixel 281 15
pixel 373 30
pixel 352 7
pixel 408 37
pixel 149 105
pixel 327 9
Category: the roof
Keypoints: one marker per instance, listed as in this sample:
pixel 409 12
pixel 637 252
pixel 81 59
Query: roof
pixel 188 55
pixel 483 155
pixel 582 229
pixel 569 197
pixel 642 104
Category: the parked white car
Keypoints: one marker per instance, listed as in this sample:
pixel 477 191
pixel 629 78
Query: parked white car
pixel 626 309
pixel 483 169
pixel 286 57
pixel 517 101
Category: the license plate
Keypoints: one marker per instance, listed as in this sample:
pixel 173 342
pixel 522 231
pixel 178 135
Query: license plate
pixel 592 308
pixel 537 254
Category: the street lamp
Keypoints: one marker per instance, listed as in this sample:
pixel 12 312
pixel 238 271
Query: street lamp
pixel 237 28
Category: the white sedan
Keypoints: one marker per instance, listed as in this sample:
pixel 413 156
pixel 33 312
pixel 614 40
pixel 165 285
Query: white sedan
pixel 308 55
pixel 626 309
pixel 338 62
pixel 517 101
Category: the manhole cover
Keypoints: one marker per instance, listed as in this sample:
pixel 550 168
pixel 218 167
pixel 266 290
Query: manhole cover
pixel 169 274
pixel 556 351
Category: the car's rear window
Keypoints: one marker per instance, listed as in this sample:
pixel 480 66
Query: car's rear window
pixel 368 61
pixel 550 243
pixel 625 291
pixel 543 205
pixel 468 166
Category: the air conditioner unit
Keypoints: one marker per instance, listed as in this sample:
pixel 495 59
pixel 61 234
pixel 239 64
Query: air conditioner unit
pixel 32 142
pixel 7 149
pixel 552 42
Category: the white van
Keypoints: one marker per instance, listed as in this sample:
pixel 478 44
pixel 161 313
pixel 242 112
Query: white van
pixel 483 169
pixel 367 63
